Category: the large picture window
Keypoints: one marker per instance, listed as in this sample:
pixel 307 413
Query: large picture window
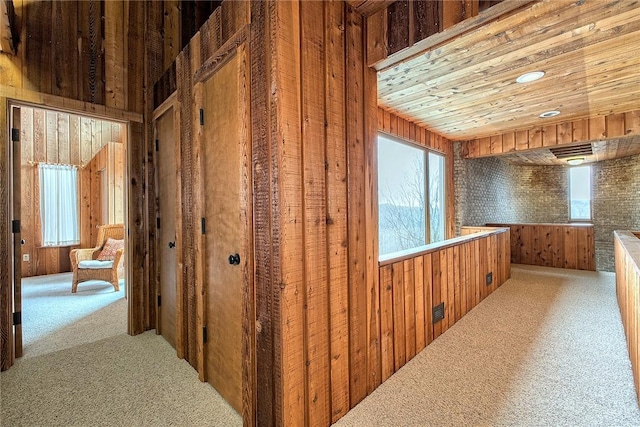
pixel 580 193
pixel 411 195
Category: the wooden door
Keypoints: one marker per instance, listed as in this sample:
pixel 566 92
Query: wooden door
pixel 167 232
pixel 226 177
pixel 16 201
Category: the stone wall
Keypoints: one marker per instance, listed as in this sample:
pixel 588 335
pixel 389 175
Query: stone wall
pixel 483 190
pixel 492 190
pixel 616 204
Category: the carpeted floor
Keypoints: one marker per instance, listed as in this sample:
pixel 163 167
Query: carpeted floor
pixel 546 349
pixel 55 319
pixel 80 368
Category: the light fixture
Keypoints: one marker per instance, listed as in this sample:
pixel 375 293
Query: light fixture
pixel 548 114
pixel 576 161
pixel 530 77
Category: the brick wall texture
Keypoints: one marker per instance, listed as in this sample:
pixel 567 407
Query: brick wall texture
pixel 491 190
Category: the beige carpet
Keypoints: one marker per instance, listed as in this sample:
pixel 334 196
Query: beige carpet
pixel 546 349
pixel 81 369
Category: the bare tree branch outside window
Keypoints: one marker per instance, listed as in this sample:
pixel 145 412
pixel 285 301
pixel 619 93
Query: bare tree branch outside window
pixel 402 196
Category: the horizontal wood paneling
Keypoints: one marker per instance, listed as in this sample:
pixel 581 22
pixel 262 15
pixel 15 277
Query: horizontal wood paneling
pixel 454 275
pixel 627 255
pixel 553 245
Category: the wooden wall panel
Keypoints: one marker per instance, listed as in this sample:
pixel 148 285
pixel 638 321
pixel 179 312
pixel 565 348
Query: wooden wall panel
pixel 627 256
pixel 450 273
pixel 552 245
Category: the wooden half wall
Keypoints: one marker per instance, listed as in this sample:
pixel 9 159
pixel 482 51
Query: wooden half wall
pixel 553 245
pixel 395 125
pixel 453 273
pixel 627 255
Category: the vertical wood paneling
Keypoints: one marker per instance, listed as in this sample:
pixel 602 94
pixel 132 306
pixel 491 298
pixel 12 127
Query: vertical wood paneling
pixel 399 342
pixel 386 322
pixel 409 309
pixel 419 299
pixel 336 212
pixel 290 226
pixel 6 291
pixel 268 363
pixel 315 233
pixel 552 245
pixel 428 297
pixel 436 291
pixel 454 275
pixel 356 226
pixel 627 257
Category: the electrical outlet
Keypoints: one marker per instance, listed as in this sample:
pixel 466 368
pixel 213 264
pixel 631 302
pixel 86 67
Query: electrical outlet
pixel 25 257
pixel 489 278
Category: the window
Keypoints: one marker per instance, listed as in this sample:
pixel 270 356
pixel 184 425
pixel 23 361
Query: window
pixel 580 193
pixel 410 179
pixel 59 204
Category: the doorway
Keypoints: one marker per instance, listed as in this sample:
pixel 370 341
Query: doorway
pixel 95 148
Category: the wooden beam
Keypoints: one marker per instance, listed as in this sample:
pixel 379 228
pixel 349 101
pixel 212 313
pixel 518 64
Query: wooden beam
pixel 565 133
pixel 6 34
pixel 389 58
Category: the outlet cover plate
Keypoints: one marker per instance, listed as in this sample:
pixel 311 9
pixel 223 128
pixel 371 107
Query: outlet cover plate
pixel 489 278
pixel 25 257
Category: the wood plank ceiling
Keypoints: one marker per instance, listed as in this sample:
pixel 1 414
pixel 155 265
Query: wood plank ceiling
pixel 602 150
pixel 466 89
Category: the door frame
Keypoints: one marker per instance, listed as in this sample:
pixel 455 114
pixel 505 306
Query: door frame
pixel 166 106
pixel 24 98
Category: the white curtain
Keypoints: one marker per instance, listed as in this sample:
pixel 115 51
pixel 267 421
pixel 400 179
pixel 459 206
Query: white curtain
pixel 59 204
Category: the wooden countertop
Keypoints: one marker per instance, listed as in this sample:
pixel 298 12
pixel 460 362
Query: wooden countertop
pixel 630 241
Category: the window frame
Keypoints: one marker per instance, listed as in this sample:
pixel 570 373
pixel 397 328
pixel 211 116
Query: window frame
pixel 571 218
pixel 425 158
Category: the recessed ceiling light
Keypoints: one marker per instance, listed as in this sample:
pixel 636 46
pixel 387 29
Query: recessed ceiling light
pixel 548 114
pixel 576 161
pixel 530 77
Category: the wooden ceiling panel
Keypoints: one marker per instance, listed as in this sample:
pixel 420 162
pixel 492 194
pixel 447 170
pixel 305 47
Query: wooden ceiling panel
pixel 465 89
pixel 602 150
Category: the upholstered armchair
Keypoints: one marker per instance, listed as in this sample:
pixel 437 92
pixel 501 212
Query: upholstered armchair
pixel 103 262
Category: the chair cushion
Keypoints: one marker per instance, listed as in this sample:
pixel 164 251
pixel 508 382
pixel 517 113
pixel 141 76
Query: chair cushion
pixel 109 249
pixel 95 264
